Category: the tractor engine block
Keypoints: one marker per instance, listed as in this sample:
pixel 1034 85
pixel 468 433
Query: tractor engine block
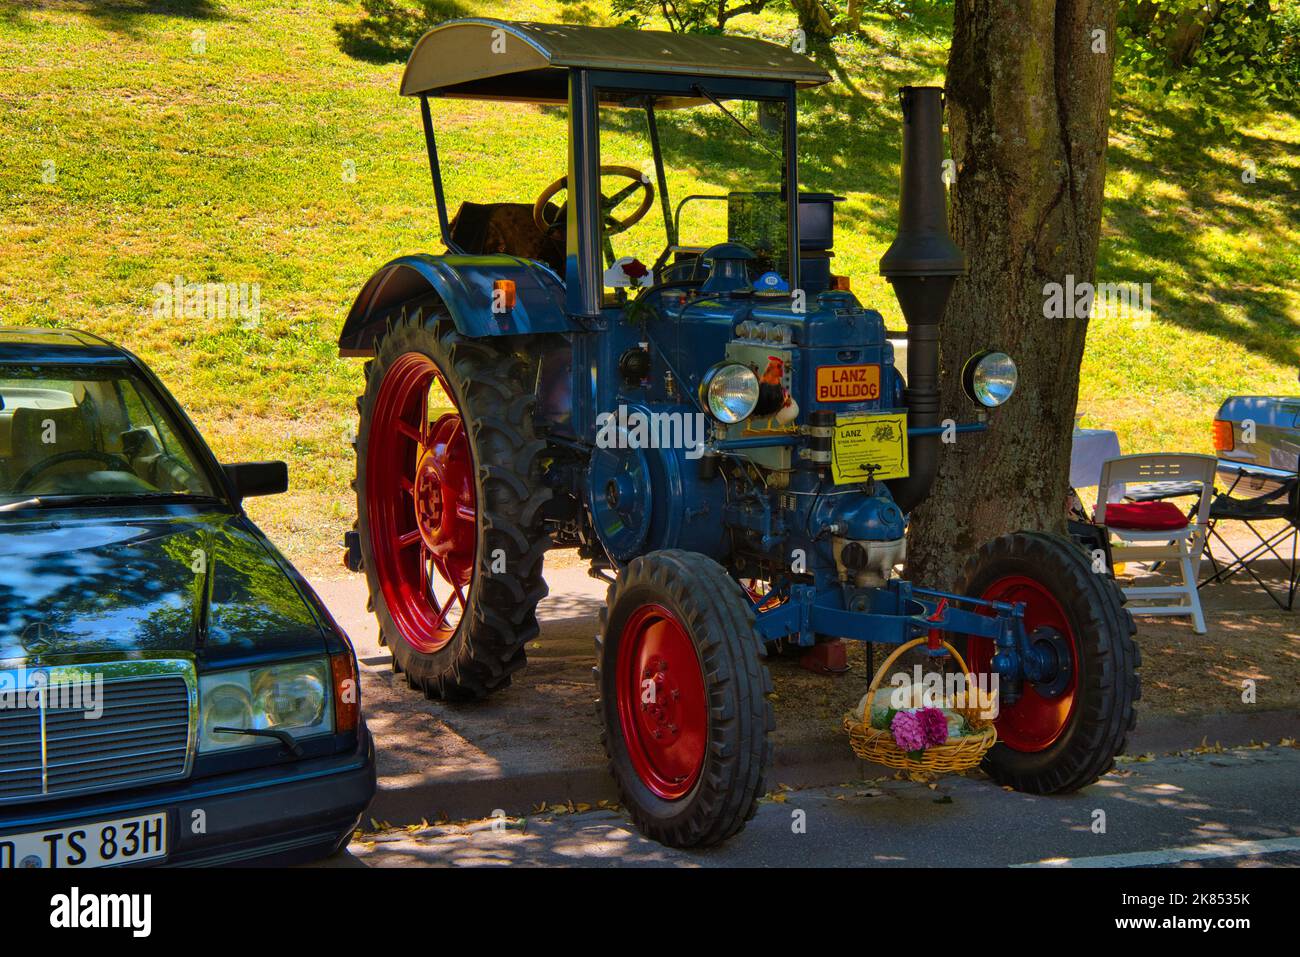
pixel 787 513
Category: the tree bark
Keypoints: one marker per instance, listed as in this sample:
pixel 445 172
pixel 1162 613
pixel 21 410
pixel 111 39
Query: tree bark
pixel 814 19
pixel 1028 104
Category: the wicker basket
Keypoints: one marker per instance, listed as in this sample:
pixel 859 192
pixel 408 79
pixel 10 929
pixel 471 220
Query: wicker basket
pixel 959 754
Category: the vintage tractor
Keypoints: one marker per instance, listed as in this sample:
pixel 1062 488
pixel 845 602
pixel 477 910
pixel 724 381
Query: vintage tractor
pixel 721 430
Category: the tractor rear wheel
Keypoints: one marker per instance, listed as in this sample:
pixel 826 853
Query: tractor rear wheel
pixel 1061 737
pixel 449 505
pixel 683 698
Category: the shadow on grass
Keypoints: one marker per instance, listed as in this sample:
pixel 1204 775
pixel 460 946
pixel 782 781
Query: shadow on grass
pixel 390 28
pixel 1235 298
pixel 125 16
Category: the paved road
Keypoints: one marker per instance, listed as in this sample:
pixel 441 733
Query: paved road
pixel 1231 809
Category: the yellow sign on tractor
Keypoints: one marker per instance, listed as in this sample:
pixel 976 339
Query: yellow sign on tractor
pixel 869 447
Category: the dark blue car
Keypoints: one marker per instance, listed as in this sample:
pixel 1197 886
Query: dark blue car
pixel 171 689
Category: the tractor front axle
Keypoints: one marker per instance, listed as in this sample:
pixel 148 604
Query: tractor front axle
pixel 899 612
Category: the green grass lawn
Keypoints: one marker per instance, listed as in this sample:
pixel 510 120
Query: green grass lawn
pixel 216 139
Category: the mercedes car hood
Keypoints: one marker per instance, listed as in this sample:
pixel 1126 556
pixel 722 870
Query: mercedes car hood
pixel 145 580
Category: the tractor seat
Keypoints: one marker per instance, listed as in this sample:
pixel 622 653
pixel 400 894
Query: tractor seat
pixel 481 228
pixel 1145 516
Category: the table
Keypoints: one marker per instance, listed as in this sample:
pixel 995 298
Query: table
pixel 1088 450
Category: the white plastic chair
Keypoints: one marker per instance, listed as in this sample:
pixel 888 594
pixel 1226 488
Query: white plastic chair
pixel 1160 531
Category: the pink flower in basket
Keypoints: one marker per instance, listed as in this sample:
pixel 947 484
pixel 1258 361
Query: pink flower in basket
pixel 909 733
pixel 914 731
pixel 934 724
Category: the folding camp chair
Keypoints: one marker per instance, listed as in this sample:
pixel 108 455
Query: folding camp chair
pixel 1282 503
pixel 1159 530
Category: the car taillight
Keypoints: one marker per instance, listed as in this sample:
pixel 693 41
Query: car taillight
pixel 347 691
pixel 1223 441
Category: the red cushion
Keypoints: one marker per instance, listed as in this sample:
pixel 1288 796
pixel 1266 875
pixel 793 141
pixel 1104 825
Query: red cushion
pixel 1145 516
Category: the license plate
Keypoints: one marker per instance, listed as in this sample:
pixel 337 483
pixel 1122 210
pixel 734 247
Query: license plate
pixel 857 383
pixel 101 844
pixel 869 440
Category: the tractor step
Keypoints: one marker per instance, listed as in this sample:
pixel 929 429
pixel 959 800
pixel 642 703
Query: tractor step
pixel 352 550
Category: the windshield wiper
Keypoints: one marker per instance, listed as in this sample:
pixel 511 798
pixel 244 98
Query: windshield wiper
pixel 735 119
pixel 102 498
pixel 26 503
pixel 284 737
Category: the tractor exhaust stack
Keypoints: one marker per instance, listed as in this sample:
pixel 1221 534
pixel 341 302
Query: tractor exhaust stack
pixel 922 264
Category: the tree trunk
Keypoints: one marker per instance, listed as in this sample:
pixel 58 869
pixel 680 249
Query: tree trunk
pixel 814 19
pixel 1028 103
pixel 1189 30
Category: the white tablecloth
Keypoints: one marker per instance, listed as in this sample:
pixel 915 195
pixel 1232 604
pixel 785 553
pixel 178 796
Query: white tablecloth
pixel 1089 449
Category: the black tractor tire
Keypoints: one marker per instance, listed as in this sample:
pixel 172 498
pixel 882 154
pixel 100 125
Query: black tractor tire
pixel 1107 684
pixel 719 623
pixel 490 380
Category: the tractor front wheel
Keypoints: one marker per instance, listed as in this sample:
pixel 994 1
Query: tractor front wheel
pixel 449 502
pixel 1060 735
pixel 683 698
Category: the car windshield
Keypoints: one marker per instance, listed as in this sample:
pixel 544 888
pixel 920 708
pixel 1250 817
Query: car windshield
pixel 77 431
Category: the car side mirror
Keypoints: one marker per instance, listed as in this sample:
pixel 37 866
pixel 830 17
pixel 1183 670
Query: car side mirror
pixel 257 478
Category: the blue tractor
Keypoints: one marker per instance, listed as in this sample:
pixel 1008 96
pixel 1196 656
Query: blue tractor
pixel 692 398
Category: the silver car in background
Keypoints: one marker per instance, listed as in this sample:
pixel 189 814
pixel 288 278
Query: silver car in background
pixel 1257 441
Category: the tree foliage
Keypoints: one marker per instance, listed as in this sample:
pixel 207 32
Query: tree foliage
pixel 685 16
pixel 818 19
pixel 1215 50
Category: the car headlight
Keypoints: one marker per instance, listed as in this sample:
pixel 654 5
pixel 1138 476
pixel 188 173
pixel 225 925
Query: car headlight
pixel 730 392
pixel 989 378
pixel 295 697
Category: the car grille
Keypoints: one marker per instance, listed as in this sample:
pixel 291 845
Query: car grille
pixel 143 735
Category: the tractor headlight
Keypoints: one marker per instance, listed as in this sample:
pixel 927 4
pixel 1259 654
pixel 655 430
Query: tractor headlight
pixel 989 378
pixel 730 392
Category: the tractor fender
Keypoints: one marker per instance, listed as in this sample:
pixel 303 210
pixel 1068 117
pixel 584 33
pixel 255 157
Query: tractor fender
pixel 465 286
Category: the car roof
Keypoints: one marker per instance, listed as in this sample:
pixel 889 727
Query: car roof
pixel 478 58
pixel 60 346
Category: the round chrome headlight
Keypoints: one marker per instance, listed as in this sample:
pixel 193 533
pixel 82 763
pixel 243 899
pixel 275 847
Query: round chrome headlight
pixel 989 378
pixel 730 392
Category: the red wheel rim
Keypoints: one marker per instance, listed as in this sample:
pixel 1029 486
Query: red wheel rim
pixel 421 504
pixel 662 706
pixel 1033 723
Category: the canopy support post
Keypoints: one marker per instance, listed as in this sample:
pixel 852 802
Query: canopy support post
pixel 670 224
pixel 431 144
pixel 583 275
pixel 791 185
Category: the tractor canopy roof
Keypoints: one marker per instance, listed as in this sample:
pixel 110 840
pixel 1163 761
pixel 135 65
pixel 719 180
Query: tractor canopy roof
pixel 530 62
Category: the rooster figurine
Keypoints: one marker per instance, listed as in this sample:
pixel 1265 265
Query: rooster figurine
pixel 774 400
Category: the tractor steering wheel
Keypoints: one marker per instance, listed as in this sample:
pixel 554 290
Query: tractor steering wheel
pixel 608 204
pixel 112 460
